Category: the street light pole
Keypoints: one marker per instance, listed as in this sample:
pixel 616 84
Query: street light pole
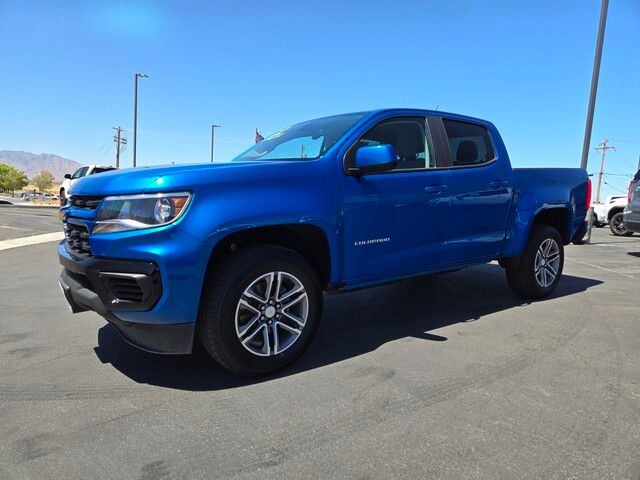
pixel 594 83
pixel 592 104
pixel 135 112
pixel 213 131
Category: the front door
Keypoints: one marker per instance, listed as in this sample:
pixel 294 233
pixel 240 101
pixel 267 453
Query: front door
pixel 396 223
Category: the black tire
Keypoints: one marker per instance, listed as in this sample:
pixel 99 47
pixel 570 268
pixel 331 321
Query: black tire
pixel 223 291
pixel 522 278
pixel 579 238
pixel 597 223
pixel 63 198
pixel 616 225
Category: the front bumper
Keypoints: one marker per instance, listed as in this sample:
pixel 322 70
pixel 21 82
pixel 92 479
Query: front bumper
pixel 109 287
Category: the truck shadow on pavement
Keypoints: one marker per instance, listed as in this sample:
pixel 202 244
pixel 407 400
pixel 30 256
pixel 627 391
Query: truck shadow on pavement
pixel 352 324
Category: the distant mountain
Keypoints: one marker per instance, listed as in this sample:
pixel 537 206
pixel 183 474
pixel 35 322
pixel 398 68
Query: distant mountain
pixel 31 163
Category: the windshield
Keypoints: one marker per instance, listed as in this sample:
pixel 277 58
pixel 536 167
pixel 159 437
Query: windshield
pixel 303 141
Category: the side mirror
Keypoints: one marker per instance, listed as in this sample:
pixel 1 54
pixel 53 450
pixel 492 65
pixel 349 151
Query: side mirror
pixel 67 176
pixel 379 158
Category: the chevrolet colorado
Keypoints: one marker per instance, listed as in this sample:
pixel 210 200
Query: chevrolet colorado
pixel 237 255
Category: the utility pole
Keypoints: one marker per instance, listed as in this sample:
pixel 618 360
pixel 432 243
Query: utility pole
pixel 135 111
pixel 120 143
pixel 603 147
pixel 594 84
pixel 213 133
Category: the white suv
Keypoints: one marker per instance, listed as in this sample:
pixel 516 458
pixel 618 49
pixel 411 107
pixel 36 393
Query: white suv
pixel 83 171
pixel 610 212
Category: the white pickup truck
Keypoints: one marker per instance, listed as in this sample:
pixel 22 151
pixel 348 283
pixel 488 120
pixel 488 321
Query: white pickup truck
pixel 70 179
pixel 610 212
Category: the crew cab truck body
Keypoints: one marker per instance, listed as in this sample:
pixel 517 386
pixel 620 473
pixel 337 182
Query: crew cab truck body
pixel 236 255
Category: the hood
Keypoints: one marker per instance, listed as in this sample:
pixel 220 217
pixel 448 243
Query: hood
pixel 167 178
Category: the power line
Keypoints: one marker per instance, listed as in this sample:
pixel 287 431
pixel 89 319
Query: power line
pixel 618 174
pixel 98 151
pixel 619 189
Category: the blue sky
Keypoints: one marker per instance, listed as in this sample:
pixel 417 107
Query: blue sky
pixel 67 73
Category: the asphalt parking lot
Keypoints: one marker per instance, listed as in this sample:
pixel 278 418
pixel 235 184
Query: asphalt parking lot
pixel 17 222
pixel 451 376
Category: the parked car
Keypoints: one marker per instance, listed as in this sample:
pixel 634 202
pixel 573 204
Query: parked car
pixel 632 210
pixel 30 196
pixel 70 179
pixel 238 254
pixel 610 213
pixel 604 211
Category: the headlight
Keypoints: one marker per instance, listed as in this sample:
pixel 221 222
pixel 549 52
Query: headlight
pixel 133 212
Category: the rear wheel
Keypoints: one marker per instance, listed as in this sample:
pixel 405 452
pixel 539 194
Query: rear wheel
pixel 616 225
pixel 260 310
pixel 540 267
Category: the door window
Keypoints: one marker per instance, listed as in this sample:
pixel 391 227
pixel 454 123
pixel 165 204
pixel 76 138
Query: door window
pixel 79 173
pixel 470 144
pixel 410 138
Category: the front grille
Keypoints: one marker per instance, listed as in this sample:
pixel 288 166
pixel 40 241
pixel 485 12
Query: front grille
pixel 85 202
pixel 77 238
pixel 125 289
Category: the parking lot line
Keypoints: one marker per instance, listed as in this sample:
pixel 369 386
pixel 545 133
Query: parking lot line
pixel 598 266
pixel 12 228
pixel 32 240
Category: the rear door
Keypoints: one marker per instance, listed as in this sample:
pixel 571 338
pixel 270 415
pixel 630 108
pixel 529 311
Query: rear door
pixel 396 223
pixel 481 192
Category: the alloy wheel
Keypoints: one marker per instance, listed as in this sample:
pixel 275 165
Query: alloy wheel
pixel 547 262
pixel 271 313
pixel 617 222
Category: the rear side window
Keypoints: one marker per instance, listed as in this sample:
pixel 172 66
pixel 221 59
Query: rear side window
pixel 470 144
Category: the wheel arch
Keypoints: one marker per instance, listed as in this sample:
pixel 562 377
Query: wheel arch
pixel 556 217
pixel 308 240
pixel 613 211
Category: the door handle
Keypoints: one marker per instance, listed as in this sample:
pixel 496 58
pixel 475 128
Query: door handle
pixel 499 184
pixel 436 188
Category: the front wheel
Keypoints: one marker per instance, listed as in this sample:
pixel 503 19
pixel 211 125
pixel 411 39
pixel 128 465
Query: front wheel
pixel 616 225
pixel 261 308
pixel 540 267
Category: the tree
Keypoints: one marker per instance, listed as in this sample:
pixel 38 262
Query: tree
pixel 11 179
pixel 43 180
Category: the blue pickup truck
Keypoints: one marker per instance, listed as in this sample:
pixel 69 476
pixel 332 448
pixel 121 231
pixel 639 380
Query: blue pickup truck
pixel 237 255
